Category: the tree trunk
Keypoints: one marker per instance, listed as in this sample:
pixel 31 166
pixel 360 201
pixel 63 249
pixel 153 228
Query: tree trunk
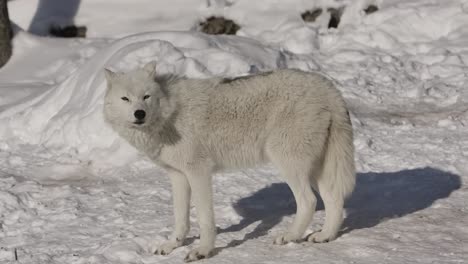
pixel 5 33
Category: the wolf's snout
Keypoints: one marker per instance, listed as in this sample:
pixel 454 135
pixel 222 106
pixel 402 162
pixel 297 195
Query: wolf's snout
pixel 139 114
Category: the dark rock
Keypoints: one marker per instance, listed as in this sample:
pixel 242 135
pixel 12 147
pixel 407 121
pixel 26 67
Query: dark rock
pixel 219 25
pixel 371 9
pixel 335 18
pixel 311 16
pixel 68 31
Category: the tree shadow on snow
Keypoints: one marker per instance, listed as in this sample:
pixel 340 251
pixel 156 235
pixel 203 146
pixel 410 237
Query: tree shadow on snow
pixel 53 13
pixel 376 198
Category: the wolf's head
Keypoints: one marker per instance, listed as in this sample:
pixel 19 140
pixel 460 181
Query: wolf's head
pixel 134 99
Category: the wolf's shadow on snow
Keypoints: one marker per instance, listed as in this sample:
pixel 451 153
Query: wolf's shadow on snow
pixel 376 198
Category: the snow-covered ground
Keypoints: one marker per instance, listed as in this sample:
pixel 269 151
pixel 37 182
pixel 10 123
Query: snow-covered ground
pixel 71 191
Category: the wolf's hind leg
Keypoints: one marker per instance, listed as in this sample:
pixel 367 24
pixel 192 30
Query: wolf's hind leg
pixel 296 171
pixel 305 201
pixel 297 154
pixel 333 215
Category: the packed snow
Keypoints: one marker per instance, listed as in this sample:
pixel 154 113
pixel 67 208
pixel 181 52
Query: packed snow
pixel 71 191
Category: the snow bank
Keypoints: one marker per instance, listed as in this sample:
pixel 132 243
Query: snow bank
pixel 389 61
pixel 66 115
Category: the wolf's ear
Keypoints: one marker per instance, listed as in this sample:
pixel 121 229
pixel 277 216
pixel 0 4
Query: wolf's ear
pixel 110 75
pixel 150 68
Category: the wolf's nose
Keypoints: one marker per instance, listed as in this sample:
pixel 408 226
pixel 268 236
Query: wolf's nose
pixel 139 114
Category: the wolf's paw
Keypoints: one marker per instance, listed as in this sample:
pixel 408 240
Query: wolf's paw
pixel 198 253
pixel 319 237
pixel 167 247
pixel 285 239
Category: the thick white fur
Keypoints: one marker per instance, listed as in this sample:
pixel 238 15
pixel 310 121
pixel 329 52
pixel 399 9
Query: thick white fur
pixel 295 120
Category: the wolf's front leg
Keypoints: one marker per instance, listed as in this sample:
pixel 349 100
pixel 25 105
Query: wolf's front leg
pixel 181 199
pixel 203 199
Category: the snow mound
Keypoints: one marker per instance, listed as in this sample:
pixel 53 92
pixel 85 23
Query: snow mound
pixel 387 62
pixel 66 114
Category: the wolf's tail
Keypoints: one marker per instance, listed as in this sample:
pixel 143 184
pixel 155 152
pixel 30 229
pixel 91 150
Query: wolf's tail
pixel 339 171
pixel 338 175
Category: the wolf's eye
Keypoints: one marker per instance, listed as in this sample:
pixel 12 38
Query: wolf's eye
pixel 125 99
pixel 146 97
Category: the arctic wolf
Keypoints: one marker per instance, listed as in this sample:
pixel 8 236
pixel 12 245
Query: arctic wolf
pixel 194 127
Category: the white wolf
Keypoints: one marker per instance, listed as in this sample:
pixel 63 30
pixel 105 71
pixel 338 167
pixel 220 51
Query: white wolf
pixel 194 127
